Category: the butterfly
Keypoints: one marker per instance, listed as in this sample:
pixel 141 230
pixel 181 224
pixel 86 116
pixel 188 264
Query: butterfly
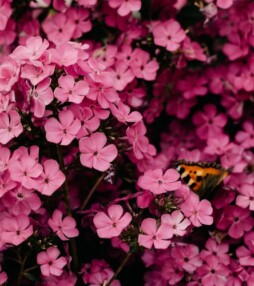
pixel 202 178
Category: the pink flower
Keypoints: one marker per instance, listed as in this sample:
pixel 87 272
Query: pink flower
pixel 192 85
pixel 64 228
pixel 63 131
pixel 16 229
pixel 236 220
pixel 51 178
pixel 157 183
pixel 104 93
pixel 49 263
pixel 58 28
pixel 9 72
pixel 246 137
pixel 112 224
pixel 80 17
pixel 135 135
pixel 10 126
pixel 198 212
pixel 94 154
pixel 6 184
pixel 122 75
pixel 31 53
pixel 168 34
pixel 125 6
pixel 218 145
pixel 123 114
pixel 154 235
pixel 246 197
pixel 224 4
pixel 186 257
pixel 209 123
pixel 41 95
pixel 142 66
pixel 245 255
pixel 22 201
pixel 36 74
pixel 176 222
pixel 213 272
pixel 64 55
pixel 26 171
pixel 5 13
pixel 71 91
pixel 220 251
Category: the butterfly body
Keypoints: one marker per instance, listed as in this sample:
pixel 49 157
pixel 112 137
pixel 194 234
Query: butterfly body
pixel 201 177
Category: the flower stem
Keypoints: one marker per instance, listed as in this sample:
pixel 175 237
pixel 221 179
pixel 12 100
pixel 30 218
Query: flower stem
pixel 73 246
pixel 120 268
pixel 22 265
pixel 95 186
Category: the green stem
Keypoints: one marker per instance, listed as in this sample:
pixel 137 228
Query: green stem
pixel 73 246
pixel 120 268
pixel 95 186
pixel 30 268
pixel 21 271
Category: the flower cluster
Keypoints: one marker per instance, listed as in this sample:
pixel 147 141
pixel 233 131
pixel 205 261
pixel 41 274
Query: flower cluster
pixel 98 99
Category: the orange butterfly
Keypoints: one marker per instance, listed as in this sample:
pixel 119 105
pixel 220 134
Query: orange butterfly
pixel 201 177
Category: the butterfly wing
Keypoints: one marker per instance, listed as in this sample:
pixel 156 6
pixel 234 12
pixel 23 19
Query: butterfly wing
pixel 201 177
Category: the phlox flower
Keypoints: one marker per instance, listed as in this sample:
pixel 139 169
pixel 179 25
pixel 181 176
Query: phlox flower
pixel 176 222
pixel 5 13
pixel 124 7
pixel 192 85
pixel 65 54
pixel 209 123
pixel 6 183
pixel 246 137
pixel 10 126
pixel 122 75
pixel 26 171
pixel 63 131
pixel 236 221
pixel 224 4
pixel 50 179
pixel 89 122
pixel 104 92
pixel 154 235
pixel 123 114
pixel 107 55
pixel 158 183
pixel 218 145
pixel 71 91
pixel 3 278
pixel 136 136
pixel 5 157
pixel 168 34
pixel 186 256
pixel 64 228
pixel 142 66
pixel 80 17
pixel 98 273
pixel 87 3
pixel 36 74
pixel 245 255
pixel 15 230
pixel 49 262
pixel 32 51
pixel 198 212
pixel 171 272
pixel 9 72
pixel 213 272
pixel 220 251
pixel 94 154
pixel 111 224
pixel 21 201
pixel 58 28
pixel 41 96
pixel 245 198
